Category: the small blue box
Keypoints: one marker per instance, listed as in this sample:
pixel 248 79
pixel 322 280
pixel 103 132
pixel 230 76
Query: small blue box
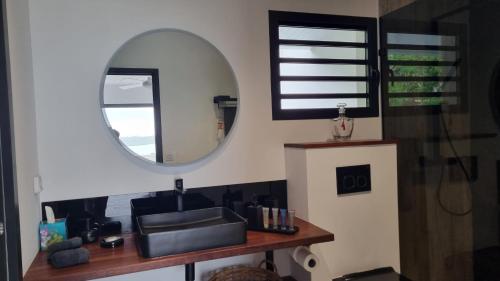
pixel 51 233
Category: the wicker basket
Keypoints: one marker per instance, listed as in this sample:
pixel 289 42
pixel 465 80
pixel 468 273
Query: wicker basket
pixel 246 273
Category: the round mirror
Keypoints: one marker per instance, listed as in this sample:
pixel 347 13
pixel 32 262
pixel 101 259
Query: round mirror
pixel 169 96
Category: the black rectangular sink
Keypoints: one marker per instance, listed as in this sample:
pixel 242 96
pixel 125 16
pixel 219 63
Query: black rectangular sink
pixel 180 232
pixel 167 203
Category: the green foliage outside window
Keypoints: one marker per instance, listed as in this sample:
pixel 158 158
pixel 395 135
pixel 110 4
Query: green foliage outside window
pixel 417 86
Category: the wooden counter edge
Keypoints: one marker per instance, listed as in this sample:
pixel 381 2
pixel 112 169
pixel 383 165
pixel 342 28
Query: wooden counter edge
pixel 328 144
pixel 85 272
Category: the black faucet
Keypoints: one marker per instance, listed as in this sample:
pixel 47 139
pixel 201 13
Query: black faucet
pixel 179 191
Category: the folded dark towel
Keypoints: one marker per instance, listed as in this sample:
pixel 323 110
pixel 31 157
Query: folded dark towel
pixel 69 257
pixel 72 243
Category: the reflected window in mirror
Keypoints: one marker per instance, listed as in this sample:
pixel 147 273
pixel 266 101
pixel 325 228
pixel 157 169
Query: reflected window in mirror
pixel 132 107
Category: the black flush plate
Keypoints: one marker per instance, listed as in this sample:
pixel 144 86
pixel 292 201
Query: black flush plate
pixel 353 179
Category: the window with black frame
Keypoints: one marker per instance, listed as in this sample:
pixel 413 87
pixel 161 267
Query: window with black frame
pixel 319 61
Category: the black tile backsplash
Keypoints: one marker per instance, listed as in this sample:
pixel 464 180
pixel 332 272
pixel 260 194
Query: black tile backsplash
pixel 81 213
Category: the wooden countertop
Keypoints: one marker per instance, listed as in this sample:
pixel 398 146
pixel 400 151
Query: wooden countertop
pixel 327 144
pixel 126 259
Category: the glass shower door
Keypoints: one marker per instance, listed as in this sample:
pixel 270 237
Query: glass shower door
pixel 441 95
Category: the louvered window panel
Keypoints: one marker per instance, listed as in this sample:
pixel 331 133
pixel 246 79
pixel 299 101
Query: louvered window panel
pixel 319 61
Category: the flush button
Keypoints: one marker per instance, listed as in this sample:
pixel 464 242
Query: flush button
pixel 349 182
pixel 352 179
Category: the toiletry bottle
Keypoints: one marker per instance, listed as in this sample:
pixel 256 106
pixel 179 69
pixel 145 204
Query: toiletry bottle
pixel 291 219
pixel 265 217
pixel 220 130
pixel 283 218
pixel 342 125
pixel 275 217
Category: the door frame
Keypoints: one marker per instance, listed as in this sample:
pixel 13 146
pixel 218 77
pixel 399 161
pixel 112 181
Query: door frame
pixel 10 210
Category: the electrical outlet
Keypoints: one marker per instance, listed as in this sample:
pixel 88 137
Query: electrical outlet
pixel 353 179
pixel 37 184
pixel 170 157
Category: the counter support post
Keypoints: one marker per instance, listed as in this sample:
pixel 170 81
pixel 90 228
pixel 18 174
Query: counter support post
pixel 189 271
pixel 269 257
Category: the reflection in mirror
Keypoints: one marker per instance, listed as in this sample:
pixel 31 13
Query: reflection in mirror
pixel 131 104
pixel 170 97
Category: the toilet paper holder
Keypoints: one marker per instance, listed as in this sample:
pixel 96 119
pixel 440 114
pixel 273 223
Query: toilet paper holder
pixel 305 258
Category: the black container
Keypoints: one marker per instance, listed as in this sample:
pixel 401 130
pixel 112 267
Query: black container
pixel 254 215
pixel 90 236
pixel 110 228
pixel 179 232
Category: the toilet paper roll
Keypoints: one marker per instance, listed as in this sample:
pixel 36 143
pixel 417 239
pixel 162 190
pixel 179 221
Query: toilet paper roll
pixel 305 258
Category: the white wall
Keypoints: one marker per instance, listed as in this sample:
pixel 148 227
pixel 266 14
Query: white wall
pixel 72 43
pixel 191 73
pixel 23 102
pixel 365 224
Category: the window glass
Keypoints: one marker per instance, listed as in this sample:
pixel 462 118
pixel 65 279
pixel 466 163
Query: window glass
pixel 320 103
pixel 420 39
pixel 421 55
pixel 424 69
pixel 322 87
pixel 422 101
pixel 314 52
pixel 321 34
pixel 135 127
pixel 128 89
pixel 304 69
pixel 422 87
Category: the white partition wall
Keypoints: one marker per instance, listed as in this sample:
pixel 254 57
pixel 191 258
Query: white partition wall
pixel 365 224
